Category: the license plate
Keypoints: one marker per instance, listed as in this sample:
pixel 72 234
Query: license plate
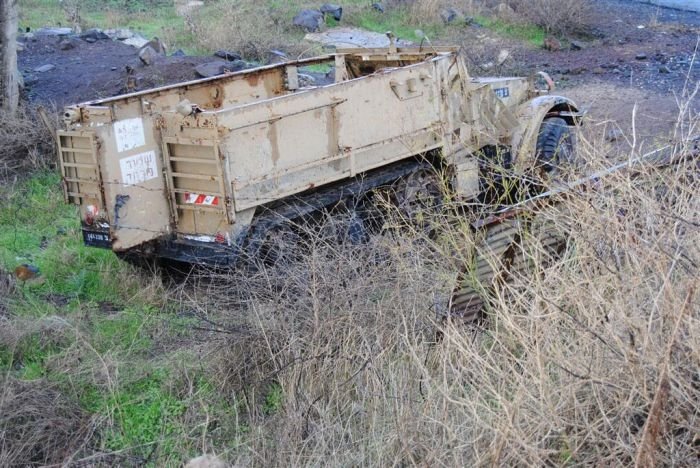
pixel 97 239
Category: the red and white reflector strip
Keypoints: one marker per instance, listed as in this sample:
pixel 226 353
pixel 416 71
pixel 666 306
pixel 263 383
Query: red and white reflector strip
pixel 201 199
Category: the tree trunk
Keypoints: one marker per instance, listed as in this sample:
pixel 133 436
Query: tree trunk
pixel 9 87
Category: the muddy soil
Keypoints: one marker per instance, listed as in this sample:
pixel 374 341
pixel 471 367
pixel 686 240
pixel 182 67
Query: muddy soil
pixel 89 71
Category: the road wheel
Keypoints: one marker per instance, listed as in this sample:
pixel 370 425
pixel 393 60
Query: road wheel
pixel 555 146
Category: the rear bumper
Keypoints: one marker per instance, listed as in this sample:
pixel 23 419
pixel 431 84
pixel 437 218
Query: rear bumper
pixel 95 236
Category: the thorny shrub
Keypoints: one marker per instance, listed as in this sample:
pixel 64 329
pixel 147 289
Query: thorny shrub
pixel 587 357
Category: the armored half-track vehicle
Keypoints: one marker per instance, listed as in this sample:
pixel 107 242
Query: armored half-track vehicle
pixel 201 171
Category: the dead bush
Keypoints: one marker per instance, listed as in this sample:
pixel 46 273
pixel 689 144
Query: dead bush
pixel 556 16
pixel 25 143
pixel 587 358
pixel 39 425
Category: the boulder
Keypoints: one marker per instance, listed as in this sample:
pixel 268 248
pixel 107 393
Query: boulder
pixel 120 34
pixel 148 55
pixel 51 32
pixel 209 69
pixel 45 68
pixel 641 56
pixel 67 43
pixel 136 41
pixel 156 45
pixel 450 15
pixel 309 20
pixel 227 55
pixel 95 34
pixel 378 7
pixel 503 55
pixel 336 11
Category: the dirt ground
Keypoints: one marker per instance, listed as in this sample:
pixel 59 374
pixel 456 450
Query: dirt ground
pixel 636 57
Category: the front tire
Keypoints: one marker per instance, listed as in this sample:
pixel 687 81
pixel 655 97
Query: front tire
pixel 556 146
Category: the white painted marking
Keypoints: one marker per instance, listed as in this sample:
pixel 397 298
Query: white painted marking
pixel 139 168
pixel 129 134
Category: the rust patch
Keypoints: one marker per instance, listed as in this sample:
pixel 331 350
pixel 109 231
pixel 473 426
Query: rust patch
pixel 252 79
pixel 274 146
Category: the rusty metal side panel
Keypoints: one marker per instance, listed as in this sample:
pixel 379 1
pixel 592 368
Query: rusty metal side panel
pixel 283 146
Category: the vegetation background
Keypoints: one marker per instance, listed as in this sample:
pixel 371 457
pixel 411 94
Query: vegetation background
pixel 590 358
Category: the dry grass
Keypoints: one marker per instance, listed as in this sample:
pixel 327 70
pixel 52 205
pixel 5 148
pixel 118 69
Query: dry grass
pixel 588 358
pixel 556 16
pixel 38 425
pixel 248 27
pixel 25 143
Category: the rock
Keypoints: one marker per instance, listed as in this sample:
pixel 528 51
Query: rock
pixel 30 80
pixel 306 80
pixel 209 69
pixel 156 45
pixel 45 68
pixel 178 53
pixel 352 37
pixel 96 34
pixel 276 56
pixel 66 43
pixel 309 20
pixel 613 134
pixel 378 7
pixel 503 55
pixel 487 66
pixel 148 55
pixel 206 461
pixel 640 56
pixel 336 11
pixel 609 66
pixel 120 34
pixel 20 46
pixel 51 32
pixel 136 41
pixel 28 35
pixel 664 69
pixel 552 44
pixel 113 68
pixel 449 15
pixel 598 71
pixel 469 20
pixel 236 65
pixel 90 40
pixel 227 55
pixel 577 71
pixel 504 10
pixel 577 45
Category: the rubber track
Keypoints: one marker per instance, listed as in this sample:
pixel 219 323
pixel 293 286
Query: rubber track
pixel 505 254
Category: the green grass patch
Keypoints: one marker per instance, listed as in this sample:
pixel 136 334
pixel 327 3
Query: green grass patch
pixel 528 33
pixel 398 23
